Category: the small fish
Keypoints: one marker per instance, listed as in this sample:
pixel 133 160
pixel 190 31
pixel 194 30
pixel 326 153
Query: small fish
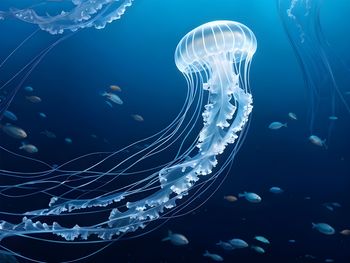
pixel 109 104
pixel 292 241
pixel 10 115
pixel 262 239
pixel 13 131
pixel 238 243
pixel 28 89
pixel 225 245
pixel 258 249
pixel 251 197
pixel 292 116
pixel 329 260
pixel 176 239
pixel 137 117
pixel 68 140
pixel 345 232
pixel 333 118
pixel 42 115
pixel 115 88
pixel 112 97
pixel 214 257
pixel 317 141
pixel 230 198
pixel 323 228
pixel 48 134
pixel 33 99
pixel 277 125
pixel 29 148
pixel 276 190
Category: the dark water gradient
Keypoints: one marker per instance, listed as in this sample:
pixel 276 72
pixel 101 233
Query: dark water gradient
pixel 137 54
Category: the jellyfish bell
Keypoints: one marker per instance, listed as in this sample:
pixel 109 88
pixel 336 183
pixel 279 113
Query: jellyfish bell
pixel 214 57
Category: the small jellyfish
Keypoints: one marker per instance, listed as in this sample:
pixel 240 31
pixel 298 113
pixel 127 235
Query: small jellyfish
pixel 277 125
pixel 33 99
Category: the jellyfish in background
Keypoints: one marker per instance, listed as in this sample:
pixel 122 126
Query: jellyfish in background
pixel 81 14
pixel 321 70
pixel 215 57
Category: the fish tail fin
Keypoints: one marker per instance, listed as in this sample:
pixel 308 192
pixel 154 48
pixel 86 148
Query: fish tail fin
pixel 242 195
pixel 325 144
pixel 168 237
pixel 285 125
pixel 206 253
pixel 313 225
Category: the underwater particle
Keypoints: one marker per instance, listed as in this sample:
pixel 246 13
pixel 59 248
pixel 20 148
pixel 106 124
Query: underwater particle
pixel 42 115
pixel 276 190
pixel 29 148
pixel 333 118
pixel 10 115
pixel 115 88
pixel 238 243
pixel 309 256
pixel 176 239
pixel 292 116
pixel 323 228
pixel 317 141
pixel 329 260
pixel 93 136
pixel 225 245
pixel 6 257
pixel 251 197
pixel 49 134
pixel 33 99
pixel 137 117
pixel 112 98
pixel 277 125
pixel 258 249
pixel 345 232
pixel 28 89
pixel 13 131
pixel 262 239
pixel 214 257
pixel 230 198
pixel 292 241
pixel 68 140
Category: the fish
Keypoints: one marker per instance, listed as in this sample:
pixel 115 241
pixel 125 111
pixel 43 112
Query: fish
pixel 323 228
pixel 29 148
pixel 42 115
pixel 225 245
pixel 317 141
pixel 333 118
pixel 109 104
pixel 137 117
pixel 277 125
pixel 214 257
pixel 176 239
pixel 34 99
pixel 258 249
pixel 238 243
pixel 230 198
pixel 113 98
pixel 345 232
pixel 115 88
pixel 28 89
pixel 68 140
pixel 276 190
pixel 251 197
pixel 262 239
pixel 49 134
pixel 10 115
pixel 292 116
pixel 13 131
pixel 331 205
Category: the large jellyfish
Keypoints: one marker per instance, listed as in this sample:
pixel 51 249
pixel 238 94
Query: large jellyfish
pixel 214 57
pixel 321 67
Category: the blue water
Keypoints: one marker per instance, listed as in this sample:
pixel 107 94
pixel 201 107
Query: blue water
pixel 137 54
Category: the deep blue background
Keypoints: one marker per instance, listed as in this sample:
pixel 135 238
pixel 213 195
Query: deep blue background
pixel 136 53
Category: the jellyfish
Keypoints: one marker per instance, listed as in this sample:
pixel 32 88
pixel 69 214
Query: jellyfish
pixel 321 67
pixel 82 14
pixel 214 57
